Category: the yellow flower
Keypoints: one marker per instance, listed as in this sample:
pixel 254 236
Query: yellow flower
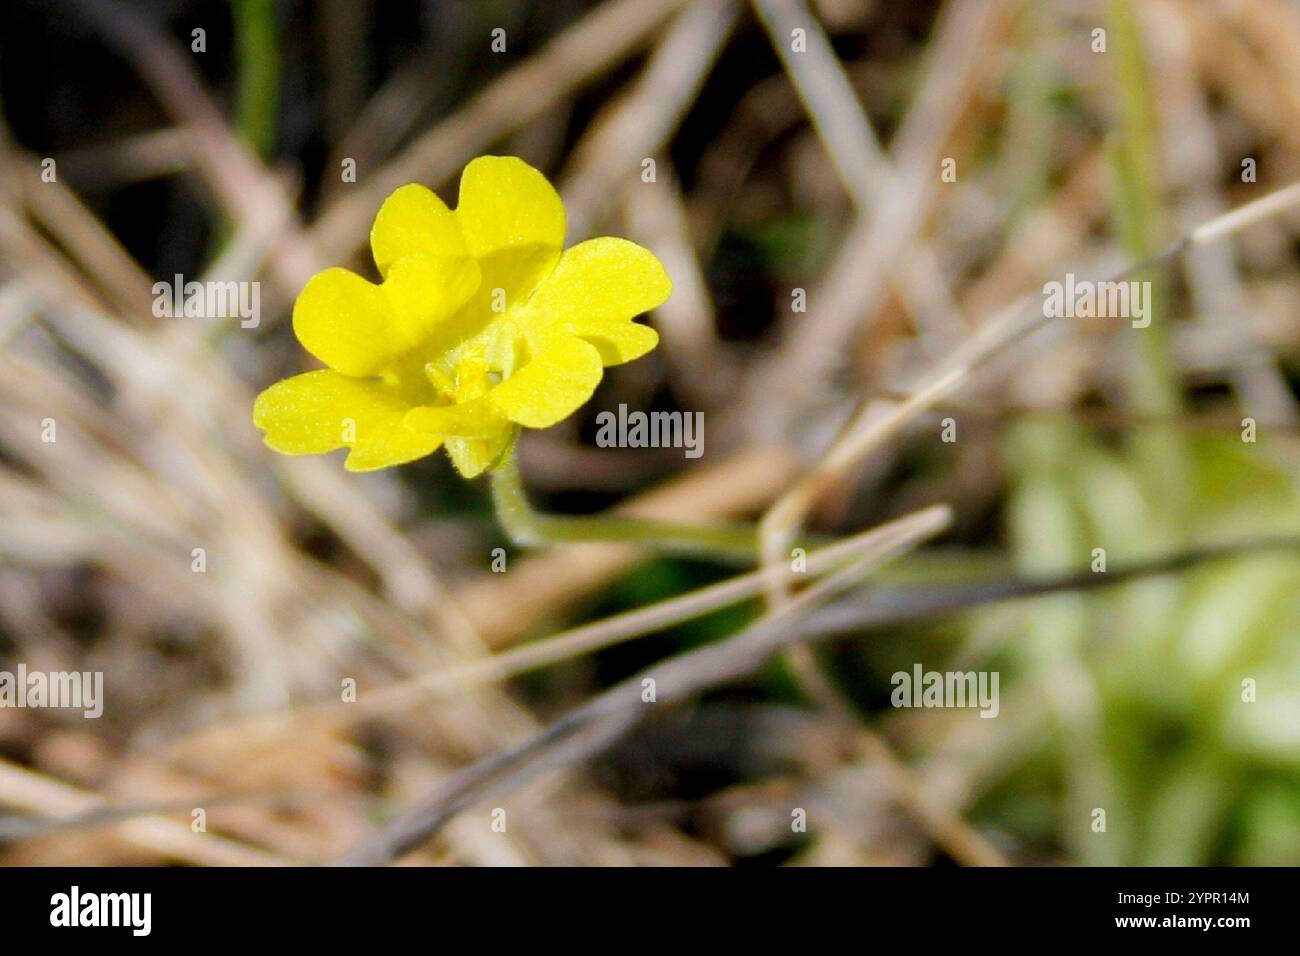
pixel 481 324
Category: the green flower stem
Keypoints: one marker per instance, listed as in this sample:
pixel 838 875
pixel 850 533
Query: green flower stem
pixel 257 65
pixel 528 528
pixel 257 97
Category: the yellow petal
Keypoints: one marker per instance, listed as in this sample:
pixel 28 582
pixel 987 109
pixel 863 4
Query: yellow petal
pixel 594 292
pixel 359 328
pixel 473 419
pixel 414 221
pixel 343 320
pixel 619 342
pixel 513 221
pixel 320 411
pixel 424 290
pixel 551 385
